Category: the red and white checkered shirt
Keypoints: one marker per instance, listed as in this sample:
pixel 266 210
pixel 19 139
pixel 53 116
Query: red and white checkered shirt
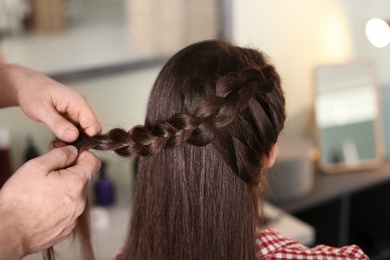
pixel 271 245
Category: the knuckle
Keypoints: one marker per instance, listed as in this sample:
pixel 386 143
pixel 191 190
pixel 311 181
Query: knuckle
pixel 31 164
pixel 60 154
pixel 93 164
pixel 77 204
pixel 98 164
pixel 80 208
pixel 80 97
pixel 79 184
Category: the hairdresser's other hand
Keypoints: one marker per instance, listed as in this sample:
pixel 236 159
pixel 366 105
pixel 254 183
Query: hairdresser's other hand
pixel 50 102
pixel 43 198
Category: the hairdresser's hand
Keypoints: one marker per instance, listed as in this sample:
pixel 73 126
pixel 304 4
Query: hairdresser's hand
pixel 48 101
pixel 43 198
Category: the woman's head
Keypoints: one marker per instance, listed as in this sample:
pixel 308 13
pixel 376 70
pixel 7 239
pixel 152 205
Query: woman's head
pixel 214 114
pixel 214 93
pixel 210 93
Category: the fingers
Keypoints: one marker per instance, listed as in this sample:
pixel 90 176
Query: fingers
pixel 61 108
pixel 61 127
pixel 56 159
pixel 67 131
pixel 89 123
pixel 87 165
pixel 67 112
pixel 79 111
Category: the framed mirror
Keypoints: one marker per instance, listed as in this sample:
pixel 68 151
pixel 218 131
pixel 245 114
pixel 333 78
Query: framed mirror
pixel 347 117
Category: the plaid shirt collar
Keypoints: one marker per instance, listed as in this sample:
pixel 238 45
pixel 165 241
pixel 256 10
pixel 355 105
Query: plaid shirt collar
pixel 271 245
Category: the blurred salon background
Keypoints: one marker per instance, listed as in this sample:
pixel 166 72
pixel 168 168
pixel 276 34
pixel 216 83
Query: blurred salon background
pixel 331 182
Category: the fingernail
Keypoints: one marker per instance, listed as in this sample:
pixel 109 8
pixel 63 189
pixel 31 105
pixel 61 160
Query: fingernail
pixel 90 131
pixel 71 134
pixel 53 145
pixel 56 144
pixel 73 148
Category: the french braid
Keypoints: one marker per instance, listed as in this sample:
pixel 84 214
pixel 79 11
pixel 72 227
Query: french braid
pixel 215 112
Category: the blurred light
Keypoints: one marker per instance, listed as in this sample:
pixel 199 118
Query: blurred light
pixel 378 32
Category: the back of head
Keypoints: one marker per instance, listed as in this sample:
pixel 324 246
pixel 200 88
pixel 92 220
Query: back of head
pixel 214 112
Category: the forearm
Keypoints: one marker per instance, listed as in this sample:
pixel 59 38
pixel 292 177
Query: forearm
pixel 11 246
pixel 11 77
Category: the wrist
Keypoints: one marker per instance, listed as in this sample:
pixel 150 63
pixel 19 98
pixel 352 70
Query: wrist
pixel 11 242
pixel 9 77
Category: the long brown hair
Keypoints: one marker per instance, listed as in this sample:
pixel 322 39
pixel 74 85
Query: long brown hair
pixel 214 112
pixel 82 232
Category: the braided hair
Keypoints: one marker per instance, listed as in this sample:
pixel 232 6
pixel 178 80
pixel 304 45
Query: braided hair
pixel 215 110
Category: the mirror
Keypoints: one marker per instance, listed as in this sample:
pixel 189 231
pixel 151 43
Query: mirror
pixel 347 117
pixel 57 36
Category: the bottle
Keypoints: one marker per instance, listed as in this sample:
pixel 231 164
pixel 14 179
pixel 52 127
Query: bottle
pixel 104 189
pixel 31 150
pixel 5 156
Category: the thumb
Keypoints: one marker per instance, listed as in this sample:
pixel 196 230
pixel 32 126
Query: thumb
pixel 87 165
pixel 56 159
pixel 62 128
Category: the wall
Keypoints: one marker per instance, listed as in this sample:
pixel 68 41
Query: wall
pixel 358 13
pixel 299 35
pixel 164 26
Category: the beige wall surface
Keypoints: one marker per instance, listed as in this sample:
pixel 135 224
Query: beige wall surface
pixel 296 35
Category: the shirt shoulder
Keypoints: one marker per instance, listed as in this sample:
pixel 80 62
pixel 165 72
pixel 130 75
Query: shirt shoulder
pixel 271 245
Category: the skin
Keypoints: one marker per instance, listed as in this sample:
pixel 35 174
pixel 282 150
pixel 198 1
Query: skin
pixel 268 162
pixel 40 203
